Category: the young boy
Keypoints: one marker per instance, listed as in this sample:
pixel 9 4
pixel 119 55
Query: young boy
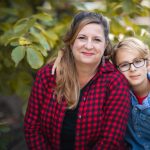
pixel 131 57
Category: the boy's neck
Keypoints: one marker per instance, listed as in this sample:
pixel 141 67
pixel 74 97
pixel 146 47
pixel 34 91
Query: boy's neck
pixel 142 90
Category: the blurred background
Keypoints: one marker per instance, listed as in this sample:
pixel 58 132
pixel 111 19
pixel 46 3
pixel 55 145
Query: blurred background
pixel 31 32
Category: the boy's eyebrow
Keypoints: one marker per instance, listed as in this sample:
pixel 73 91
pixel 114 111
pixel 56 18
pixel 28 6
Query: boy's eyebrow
pixel 131 61
pixel 124 62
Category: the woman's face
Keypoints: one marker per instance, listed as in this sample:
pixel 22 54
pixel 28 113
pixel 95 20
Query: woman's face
pixel 135 76
pixel 89 45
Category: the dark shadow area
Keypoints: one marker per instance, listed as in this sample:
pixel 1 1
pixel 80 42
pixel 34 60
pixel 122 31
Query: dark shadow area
pixel 11 124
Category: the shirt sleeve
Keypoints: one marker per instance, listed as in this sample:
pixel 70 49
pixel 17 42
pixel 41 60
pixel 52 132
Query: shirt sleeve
pixel 34 138
pixel 116 111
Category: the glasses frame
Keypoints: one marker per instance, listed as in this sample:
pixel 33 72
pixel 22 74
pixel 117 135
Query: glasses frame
pixel 132 63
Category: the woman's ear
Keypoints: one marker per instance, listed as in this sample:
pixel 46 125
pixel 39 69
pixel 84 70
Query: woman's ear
pixel 108 49
pixel 106 44
pixel 71 45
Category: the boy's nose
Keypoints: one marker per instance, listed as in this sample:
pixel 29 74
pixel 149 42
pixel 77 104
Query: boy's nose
pixel 132 67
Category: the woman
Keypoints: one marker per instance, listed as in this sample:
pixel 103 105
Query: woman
pixel 131 57
pixel 85 105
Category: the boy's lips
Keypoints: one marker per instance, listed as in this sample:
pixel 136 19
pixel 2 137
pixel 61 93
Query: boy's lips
pixel 134 76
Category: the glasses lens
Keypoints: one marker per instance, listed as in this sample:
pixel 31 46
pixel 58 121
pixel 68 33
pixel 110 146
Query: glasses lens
pixel 124 67
pixel 139 63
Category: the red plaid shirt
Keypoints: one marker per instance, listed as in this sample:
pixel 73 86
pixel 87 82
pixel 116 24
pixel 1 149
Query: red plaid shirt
pixel 102 114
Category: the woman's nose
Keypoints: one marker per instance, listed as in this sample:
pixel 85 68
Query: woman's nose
pixel 89 45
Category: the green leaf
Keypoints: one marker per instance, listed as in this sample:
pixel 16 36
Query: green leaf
pixel 42 40
pixel 4 39
pixel 10 36
pixel 18 54
pixel 40 48
pixel 23 25
pixel 43 17
pixel 6 10
pixel 128 6
pixel 60 28
pixel 51 36
pixel 19 28
pixel 24 41
pixel 14 43
pixel 116 26
pixel 34 58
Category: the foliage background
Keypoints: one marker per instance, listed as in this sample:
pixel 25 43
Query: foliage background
pixel 31 32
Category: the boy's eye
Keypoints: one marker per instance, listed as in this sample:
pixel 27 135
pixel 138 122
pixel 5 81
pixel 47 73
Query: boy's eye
pixel 138 61
pixel 124 65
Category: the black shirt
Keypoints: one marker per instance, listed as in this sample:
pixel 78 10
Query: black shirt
pixel 67 139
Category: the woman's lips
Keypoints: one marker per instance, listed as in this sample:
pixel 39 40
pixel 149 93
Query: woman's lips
pixel 87 54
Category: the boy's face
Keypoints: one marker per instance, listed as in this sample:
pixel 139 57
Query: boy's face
pixel 135 76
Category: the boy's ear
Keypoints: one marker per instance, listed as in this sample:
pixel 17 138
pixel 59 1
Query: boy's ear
pixel 148 65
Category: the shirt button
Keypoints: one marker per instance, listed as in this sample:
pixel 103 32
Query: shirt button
pixel 79 116
pixel 139 135
pixel 84 99
pixel 135 109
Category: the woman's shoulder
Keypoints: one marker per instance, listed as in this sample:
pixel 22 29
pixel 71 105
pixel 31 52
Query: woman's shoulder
pixel 45 71
pixel 113 73
pixel 45 77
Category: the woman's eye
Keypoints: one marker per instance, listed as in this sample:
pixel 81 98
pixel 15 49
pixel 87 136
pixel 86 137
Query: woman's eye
pixel 98 40
pixel 81 37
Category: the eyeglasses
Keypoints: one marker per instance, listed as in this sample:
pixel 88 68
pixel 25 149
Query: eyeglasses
pixel 137 63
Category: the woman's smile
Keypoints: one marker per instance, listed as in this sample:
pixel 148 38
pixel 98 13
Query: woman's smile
pixel 87 53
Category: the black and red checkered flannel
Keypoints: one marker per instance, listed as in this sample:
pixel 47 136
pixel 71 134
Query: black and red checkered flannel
pixel 102 114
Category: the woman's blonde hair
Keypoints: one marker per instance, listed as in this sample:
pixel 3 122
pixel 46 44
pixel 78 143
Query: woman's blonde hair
pixel 130 44
pixel 67 84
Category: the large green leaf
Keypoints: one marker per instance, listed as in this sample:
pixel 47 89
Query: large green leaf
pixel 43 16
pixel 128 6
pixel 23 25
pixel 18 54
pixel 10 36
pixel 34 58
pixel 60 28
pixel 40 37
pixel 20 29
pixel 40 49
pixel 49 34
pixel 116 26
